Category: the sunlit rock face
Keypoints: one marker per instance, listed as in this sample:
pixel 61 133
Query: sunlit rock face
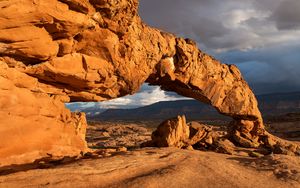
pixel 57 51
pixel 34 124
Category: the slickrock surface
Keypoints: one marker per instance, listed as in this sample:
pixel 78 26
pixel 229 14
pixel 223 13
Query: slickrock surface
pixel 57 51
pixel 166 167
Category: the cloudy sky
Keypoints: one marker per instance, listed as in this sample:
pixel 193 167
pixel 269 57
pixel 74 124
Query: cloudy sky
pixel 262 37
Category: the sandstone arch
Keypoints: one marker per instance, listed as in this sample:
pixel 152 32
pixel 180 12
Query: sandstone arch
pixel 199 76
pixel 57 51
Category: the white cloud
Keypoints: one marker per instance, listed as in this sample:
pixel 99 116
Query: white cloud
pixel 148 95
pixel 123 101
pixel 234 19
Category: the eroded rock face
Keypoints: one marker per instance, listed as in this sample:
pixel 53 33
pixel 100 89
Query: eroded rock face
pixel 78 50
pixel 34 125
pixel 176 132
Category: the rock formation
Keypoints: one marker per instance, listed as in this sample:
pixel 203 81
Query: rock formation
pixel 34 124
pixel 171 133
pixel 57 51
pixel 176 132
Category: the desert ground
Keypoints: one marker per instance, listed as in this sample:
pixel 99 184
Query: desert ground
pixel 116 160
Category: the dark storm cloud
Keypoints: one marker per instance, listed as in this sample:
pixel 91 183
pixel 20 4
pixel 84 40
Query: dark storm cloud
pixel 274 69
pixel 287 15
pixel 191 19
pixel 261 36
pixel 208 22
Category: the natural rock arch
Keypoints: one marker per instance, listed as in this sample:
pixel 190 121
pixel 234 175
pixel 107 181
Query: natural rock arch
pixel 57 51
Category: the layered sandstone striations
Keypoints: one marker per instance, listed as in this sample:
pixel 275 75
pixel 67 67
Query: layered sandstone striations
pixel 34 124
pixel 171 133
pixel 57 51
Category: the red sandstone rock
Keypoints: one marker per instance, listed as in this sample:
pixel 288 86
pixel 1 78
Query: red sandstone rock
pixel 34 125
pixel 171 133
pixel 56 51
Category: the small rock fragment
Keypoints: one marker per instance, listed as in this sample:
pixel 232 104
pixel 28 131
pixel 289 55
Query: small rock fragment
pixel 122 149
pixel 189 148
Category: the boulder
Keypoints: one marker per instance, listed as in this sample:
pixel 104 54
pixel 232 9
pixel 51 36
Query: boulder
pixel 198 133
pixel 171 133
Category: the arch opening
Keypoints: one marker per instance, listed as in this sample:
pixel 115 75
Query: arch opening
pixel 129 121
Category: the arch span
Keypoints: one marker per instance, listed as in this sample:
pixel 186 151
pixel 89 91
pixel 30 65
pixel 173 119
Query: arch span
pixel 194 74
pixel 57 51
